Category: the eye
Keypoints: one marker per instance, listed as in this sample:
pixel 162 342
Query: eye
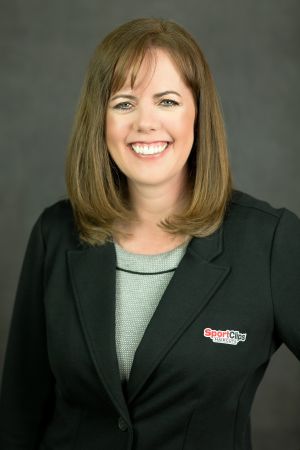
pixel 123 106
pixel 168 102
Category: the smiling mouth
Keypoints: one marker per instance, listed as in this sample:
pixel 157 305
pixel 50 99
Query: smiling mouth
pixel 149 149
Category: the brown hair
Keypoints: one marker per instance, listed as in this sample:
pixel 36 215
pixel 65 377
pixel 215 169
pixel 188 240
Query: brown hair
pixel 97 188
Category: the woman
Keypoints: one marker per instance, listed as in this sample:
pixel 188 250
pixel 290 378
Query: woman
pixel 150 301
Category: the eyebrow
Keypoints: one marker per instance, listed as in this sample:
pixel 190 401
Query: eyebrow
pixel 132 97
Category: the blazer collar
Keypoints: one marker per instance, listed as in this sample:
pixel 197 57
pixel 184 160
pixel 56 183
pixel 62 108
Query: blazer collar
pixel 92 272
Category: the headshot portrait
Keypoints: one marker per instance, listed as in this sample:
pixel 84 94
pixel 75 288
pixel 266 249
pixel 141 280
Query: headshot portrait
pixel 154 302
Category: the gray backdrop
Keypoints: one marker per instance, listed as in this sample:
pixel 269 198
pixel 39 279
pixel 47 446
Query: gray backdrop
pixel 253 50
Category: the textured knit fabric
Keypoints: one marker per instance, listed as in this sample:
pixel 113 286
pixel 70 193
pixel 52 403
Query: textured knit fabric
pixel 140 283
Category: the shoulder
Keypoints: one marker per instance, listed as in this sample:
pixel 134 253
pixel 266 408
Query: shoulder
pixel 244 203
pixel 58 212
pixel 57 223
pixel 258 216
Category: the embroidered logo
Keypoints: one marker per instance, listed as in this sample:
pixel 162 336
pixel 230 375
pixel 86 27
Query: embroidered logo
pixel 231 337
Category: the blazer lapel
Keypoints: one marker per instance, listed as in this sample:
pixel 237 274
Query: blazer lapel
pixel 92 273
pixel 195 281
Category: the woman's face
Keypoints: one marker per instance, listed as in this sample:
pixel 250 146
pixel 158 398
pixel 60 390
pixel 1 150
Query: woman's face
pixel 150 129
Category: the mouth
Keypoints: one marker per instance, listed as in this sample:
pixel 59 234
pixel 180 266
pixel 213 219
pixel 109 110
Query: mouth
pixel 146 149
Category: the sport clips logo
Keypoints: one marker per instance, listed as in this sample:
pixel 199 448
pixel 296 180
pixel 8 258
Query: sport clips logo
pixel 231 337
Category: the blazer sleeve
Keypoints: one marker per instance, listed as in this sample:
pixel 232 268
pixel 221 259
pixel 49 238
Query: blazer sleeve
pixel 285 280
pixel 27 382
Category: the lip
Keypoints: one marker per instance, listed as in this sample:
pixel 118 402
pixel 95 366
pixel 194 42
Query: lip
pixel 154 156
pixel 149 142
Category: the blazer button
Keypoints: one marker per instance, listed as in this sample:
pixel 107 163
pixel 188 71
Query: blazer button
pixel 122 424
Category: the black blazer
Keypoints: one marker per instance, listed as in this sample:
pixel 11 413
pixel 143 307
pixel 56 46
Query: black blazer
pixel 234 298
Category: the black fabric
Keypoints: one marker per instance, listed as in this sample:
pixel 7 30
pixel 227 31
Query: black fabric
pixel 188 390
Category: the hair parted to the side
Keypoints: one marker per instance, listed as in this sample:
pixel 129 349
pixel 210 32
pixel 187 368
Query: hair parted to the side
pixel 97 188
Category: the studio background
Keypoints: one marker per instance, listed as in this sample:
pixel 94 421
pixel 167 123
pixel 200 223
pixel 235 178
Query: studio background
pixel 252 47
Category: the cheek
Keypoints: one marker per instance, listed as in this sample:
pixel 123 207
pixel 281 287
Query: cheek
pixel 117 136
pixel 186 129
pixel 115 129
pixel 110 130
pixel 184 123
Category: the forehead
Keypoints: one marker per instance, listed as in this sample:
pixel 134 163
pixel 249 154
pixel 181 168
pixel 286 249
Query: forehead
pixel 156 66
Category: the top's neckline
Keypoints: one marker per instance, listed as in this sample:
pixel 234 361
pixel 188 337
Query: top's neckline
pixel 183 245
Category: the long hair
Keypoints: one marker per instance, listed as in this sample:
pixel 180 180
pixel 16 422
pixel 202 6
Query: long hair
pixel 97 189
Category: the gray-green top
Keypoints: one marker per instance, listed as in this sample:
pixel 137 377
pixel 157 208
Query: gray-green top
pixel 140 283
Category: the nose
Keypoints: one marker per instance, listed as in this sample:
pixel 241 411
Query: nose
pixel 146 119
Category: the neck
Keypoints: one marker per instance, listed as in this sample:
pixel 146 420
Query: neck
pixel 151 204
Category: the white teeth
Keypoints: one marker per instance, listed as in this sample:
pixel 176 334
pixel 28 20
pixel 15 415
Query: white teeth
pixel 149 149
